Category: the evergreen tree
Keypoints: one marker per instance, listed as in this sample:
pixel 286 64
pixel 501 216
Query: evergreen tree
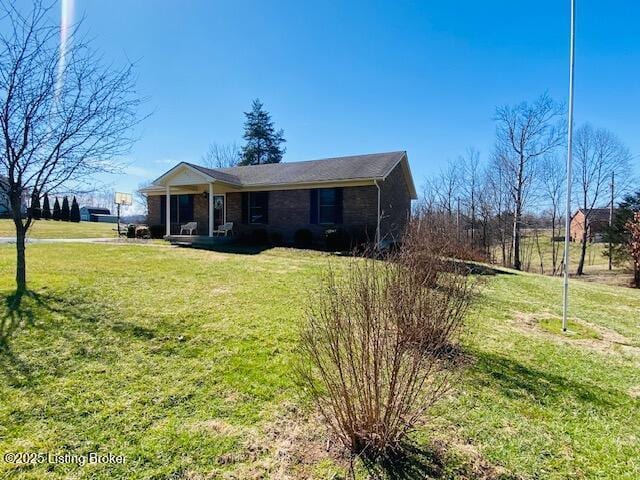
pixel 46 208
pixel 64 211
pixel 56 210
pixel 618 233
pixel 36 211
pixel 74 215
pixel 263 141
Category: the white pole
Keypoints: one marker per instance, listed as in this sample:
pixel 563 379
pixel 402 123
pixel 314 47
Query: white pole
pixel 168 210
pixel 567 220
pixel 210 198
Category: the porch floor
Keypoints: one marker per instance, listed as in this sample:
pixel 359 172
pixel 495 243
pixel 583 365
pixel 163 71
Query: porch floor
pixel 202 241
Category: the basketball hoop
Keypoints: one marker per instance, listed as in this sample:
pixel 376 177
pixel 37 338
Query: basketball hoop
pixel 125 199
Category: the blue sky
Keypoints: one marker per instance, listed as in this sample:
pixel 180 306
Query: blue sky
pixel 356 77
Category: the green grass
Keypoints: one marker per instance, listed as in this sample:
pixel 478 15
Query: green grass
pixel 574 329
pixel 181 360
pixel 52 229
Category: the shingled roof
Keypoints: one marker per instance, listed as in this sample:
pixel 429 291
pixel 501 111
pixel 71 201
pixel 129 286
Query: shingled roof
pixel 356 167
pixel 598 214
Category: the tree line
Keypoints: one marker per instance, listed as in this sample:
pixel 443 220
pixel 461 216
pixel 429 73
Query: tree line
pixel 62 212
pixel 520 187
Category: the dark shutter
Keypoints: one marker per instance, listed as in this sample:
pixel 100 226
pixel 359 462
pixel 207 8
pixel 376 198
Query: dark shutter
pixel 338 205
pixel 313 206
pixel 245 208
pixel 163 210
pixel 266 208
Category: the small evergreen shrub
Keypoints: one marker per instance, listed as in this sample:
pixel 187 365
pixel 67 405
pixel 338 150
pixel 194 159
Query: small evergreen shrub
pixel 131 231
pixel 276 238
pixel 259 236
pixel 303 238
pixel 157 231
pixel 337 239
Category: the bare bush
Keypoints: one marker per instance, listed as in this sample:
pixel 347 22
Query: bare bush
pixel 374 341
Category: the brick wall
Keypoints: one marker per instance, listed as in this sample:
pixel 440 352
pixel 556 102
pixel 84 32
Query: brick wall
pixel 576 227
pixel 289 210
pixel 153 209
pixel 395 204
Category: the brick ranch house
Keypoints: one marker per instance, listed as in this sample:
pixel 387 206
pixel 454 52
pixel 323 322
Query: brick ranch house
pixel 369 196
pixel 596 224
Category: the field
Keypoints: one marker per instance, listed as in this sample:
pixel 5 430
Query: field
pixel 537 257
pixel 52 229
pixel 181 360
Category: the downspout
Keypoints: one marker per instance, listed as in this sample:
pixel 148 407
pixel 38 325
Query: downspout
pixel 378 222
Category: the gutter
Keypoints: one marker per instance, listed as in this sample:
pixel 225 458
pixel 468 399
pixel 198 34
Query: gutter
pixel 378 221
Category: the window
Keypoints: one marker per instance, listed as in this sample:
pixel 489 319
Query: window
pixel 181 209
pixel 327 205
pixel 258 207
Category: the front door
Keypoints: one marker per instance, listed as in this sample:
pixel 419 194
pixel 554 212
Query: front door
pixel 218 211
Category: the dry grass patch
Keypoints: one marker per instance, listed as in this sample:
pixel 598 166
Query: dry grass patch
pixel 580 333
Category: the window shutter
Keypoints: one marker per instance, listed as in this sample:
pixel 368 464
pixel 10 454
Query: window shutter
pixel 338 205
pixel 245 208
pixel 266 208
pixel 163 210
pixel 313 206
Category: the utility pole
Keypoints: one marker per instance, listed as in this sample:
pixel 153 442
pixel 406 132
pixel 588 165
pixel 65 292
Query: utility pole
pixel 458 218
pixel 567 220
pixel 613 179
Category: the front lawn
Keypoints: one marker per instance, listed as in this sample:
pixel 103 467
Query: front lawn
pixel 181 360
pixel 53 229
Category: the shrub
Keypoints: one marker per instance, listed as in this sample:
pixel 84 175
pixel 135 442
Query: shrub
pixel 157 231
pixel 131 231
pixel 276 238
pixel 142 231
pixel 259 236
pixel 337 239
pixel 374 347
pixel 303 238
pixel 633 226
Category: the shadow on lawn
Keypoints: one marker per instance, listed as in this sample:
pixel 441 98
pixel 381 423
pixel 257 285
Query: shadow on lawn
pixel 67 315
pixel 18 312
pixel 409 462
pixel 516 380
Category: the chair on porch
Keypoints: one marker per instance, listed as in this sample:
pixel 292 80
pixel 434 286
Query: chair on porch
pixel 224 229
pixel 189 227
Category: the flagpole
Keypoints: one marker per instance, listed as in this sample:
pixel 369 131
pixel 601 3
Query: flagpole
pixel 567 220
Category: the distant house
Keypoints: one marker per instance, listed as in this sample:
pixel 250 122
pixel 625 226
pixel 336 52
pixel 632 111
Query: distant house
pixel 97 214
pixel 596 224
pixel 365 195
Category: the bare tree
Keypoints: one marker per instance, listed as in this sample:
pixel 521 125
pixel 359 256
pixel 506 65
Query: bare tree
pixel 552 179
pixel 525 133
pixel 470 185
pixel 63 117
pixel 222 155
pixel 597 154
pixel 499 197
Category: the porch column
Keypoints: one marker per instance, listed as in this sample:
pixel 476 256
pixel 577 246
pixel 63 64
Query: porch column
pixel 168 210
pixel 211 209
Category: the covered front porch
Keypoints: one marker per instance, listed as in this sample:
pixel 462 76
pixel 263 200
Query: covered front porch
pixel 184 196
